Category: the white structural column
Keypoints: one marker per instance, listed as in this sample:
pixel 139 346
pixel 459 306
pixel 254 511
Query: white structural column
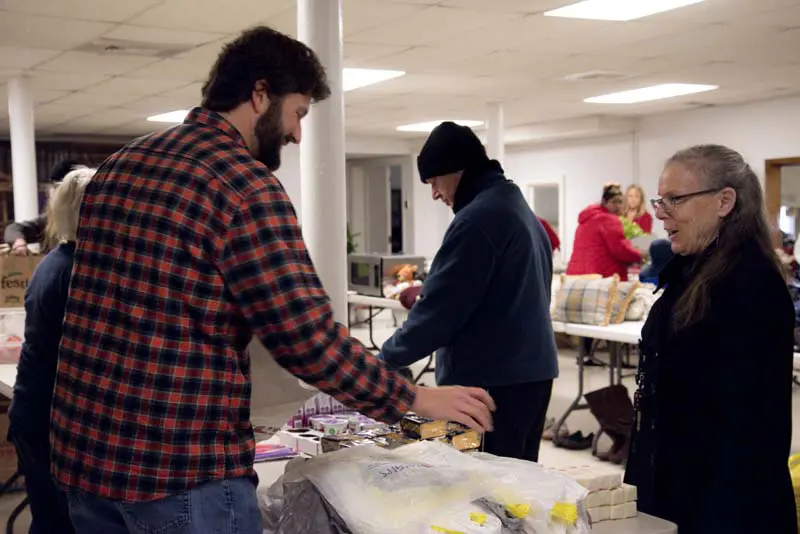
pixel 495 146
pixel 322 155
pixel 23 150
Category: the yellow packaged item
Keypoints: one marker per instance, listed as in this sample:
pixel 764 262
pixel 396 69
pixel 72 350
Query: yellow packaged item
pixel 794 470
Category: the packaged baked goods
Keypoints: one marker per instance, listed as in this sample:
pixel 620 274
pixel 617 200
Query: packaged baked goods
pixel 423 428
pixel 393 440
pixel 345 441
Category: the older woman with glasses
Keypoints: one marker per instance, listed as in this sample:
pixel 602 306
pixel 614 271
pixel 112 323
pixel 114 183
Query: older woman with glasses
pixel 713 420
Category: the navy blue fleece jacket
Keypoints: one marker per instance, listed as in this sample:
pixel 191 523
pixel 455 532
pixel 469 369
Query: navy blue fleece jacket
pixel 485 304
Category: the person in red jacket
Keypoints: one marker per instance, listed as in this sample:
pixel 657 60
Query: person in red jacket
pixel 555 242
pixel 635 208
pixel 600 246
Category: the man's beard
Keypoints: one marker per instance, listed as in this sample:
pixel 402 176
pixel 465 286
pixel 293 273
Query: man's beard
pixel 270 138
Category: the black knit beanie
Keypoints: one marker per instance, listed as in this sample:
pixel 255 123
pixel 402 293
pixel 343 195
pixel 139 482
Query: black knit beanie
pixel 449 148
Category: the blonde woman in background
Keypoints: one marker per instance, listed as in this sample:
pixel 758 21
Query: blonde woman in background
pixel 45 301
pixel 635 208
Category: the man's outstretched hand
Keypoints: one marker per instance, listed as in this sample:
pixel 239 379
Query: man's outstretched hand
pixel 472 407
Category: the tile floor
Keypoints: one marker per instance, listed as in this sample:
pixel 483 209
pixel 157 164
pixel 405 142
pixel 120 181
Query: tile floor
pixel 564 392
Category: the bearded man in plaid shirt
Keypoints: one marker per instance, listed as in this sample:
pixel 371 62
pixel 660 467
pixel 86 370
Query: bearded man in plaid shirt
pixel 189 246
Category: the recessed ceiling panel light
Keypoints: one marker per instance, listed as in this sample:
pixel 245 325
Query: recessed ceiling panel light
pixel 356 78
pixel 620 10
pixel 176 116
pixel 428 126
pixel 655 92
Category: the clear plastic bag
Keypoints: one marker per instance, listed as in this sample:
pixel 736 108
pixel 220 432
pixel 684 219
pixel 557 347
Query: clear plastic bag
pixel 430 487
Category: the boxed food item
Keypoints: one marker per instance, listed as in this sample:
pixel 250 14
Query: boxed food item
pixel 344 441
pixel 393 440
pixel 418 427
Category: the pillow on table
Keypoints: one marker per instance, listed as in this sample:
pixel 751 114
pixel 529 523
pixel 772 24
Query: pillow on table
pixel 626 292
pixel 586 300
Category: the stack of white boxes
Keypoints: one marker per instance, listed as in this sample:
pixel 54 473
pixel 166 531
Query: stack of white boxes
pixel 609 499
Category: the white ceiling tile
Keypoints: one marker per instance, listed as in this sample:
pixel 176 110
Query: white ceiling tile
pixel 209 15
pixel 65 81
pixel 95 10
pixel 20 29
pixel 53 113
pixel 505 6
pixel 97 100
pixel 428 25
pixel 284 22
pixel 135 86
pixel 40 96
pixel 161 35
pixel 23 58
pixel 356 53
pixel 86 62
pixel 360 15
pixel 174 69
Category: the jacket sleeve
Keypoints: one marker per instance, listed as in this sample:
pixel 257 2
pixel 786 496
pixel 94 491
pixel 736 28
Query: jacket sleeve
pixel 31 230
pixel 458 280
pixel 270 276
pixel 619 247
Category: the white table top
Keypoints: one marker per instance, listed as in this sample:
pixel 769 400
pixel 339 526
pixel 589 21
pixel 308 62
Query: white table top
pixel 8 376
pixel 627 332
pixel 378 302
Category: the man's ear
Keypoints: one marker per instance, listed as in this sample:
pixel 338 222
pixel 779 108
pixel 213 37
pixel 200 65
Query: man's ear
pixel 727 201
pixel 259 98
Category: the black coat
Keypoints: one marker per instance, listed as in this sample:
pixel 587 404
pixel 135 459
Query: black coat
pixel 714 405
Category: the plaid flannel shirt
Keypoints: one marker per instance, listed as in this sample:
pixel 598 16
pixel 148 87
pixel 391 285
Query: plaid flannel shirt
pixel 187 247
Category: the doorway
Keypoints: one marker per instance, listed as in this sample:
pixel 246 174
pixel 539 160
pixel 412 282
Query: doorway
pixel 782 193
pixel 376 205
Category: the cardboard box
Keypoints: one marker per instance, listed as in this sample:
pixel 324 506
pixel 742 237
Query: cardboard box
pixel 15 275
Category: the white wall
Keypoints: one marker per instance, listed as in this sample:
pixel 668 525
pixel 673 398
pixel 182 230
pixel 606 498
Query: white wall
pixel 585 167
pixel 759 131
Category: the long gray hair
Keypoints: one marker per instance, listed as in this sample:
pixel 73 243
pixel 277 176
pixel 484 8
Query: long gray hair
pixel 64 207
pixel 719 167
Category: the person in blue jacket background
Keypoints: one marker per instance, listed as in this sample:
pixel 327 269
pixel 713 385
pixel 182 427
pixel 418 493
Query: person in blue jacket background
pixel 484 307
pixel 45 302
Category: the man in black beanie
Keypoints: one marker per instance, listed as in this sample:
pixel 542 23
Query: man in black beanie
pixel 19 234
pixel 485 305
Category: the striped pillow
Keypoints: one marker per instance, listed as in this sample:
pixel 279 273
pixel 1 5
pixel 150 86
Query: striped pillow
pixel 586 301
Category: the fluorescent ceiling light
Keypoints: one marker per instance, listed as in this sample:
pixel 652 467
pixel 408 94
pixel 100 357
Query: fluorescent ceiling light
pixel 171 116
pixel 655 92
pixel 428 126
pixel 621 10
pixel 357 78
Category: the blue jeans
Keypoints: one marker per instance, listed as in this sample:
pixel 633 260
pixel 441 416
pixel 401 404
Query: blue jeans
pixel 219 507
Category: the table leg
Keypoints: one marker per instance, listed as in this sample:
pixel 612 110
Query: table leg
pixel 15 514
pixel 576 404
pixel 427 369
pixel 371 330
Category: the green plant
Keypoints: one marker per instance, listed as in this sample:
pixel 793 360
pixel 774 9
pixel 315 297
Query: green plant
pixel 351 241
pixel 630 228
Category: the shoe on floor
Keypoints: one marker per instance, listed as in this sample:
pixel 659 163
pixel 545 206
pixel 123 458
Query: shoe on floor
pixel 575 442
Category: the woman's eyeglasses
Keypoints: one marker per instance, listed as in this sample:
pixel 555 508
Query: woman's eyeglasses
pixel 669 202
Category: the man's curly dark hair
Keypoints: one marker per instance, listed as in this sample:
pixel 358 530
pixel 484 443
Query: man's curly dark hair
pixel 262 54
